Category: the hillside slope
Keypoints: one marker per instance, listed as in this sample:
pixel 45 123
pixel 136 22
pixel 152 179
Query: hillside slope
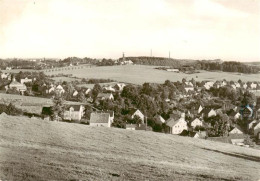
pixel 31 149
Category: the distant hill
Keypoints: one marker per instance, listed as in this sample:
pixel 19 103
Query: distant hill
pixel 33 149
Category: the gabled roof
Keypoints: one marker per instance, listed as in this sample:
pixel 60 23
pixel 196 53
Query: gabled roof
pixel 171 122
pixel 238 127
pixel 111 113
pixel 133 110
pixel 75 107
pixel 99 117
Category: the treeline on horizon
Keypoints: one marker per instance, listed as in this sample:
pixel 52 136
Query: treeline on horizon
pixel 228 67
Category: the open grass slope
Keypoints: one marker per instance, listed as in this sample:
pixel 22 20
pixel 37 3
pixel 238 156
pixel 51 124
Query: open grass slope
pixel 29 104
pixel 40 150
pixel 139 74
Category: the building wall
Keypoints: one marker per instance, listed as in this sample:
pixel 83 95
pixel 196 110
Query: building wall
pixel 100 124
pixel 179 127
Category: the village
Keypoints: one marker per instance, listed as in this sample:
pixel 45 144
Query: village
pixel 206 109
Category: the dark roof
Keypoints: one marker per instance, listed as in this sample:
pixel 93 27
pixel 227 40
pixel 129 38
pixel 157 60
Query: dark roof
pixel 47 111
pixel 132 111
pixel 99 117
pixel 75 107
pixel 111 113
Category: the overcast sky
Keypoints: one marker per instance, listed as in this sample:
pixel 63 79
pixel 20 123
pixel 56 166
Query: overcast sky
pixel 195 29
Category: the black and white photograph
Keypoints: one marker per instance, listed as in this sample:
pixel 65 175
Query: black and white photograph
pixel 140 90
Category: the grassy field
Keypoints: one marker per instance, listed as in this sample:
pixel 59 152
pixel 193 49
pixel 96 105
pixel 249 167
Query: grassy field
pixel 28 103
pixel 31 149
pixel 138 74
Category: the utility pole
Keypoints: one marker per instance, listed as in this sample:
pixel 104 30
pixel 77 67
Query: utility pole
pixel 169 54
pixel 151 52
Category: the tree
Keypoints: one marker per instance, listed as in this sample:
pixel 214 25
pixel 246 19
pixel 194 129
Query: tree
pixel 58 105
pixel 81 97
pixel 96 90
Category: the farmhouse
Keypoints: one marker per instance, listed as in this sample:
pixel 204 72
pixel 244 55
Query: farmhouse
pixel 20 87
pixel 25 80
pixel 159 119
pixel 104 96
pixel 236 130
pixel 74 113
pixel 119 86
pixel 196 122
pixel 111 115
pixel 100 119
pixel 177 126
pixel 136 112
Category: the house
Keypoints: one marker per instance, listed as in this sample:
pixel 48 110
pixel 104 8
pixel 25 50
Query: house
pixel 237 85
pixel 200 109
pixel 253 85
pixel 60 89
pixel 159 119
pixel 136 112
pixel 257 129
pixel 17 85
pixel 8 68
pixel 109 88
pixel 104 96
pixel 5 75
pixel 177 126
pixel 223 83
pixel 208 85
pixel 207 112
pixel 187 83
pixel 87 91
pixel 127 62
pixel 25 80
pixel 235 115
pixel 119 86
pixel 189 88
pixel 111 115
pixel 196 122
pixel 244 85
pixel 233 86
pixel 75 93
pixel 236 130
pixel 130 126
pixel 74 113
pixel 100 119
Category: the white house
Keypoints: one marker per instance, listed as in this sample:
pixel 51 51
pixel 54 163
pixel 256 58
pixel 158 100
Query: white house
pixel 17 85
pixel 87 91
pixel 177 126
pixel 104 96
pixel 25 80
pixel 196 122
pixel 136 112
pixel 60 89
pixel 244 85
pixel 8 68
pixel 100 119
pixel 208 112
pixel 236 130
pixel 233 86
pixel 189 88
pixel 235 115
pixel 253 85
pixel 75 93
pixel 74 112
pixel 237 85
pixel 111 115
pixel 257 129
pixel 5 75
pixel 119 86
pixel 189 83
pixel 109 88
pixel 208 85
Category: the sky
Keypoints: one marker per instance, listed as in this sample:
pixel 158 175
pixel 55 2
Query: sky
pixel 188 29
